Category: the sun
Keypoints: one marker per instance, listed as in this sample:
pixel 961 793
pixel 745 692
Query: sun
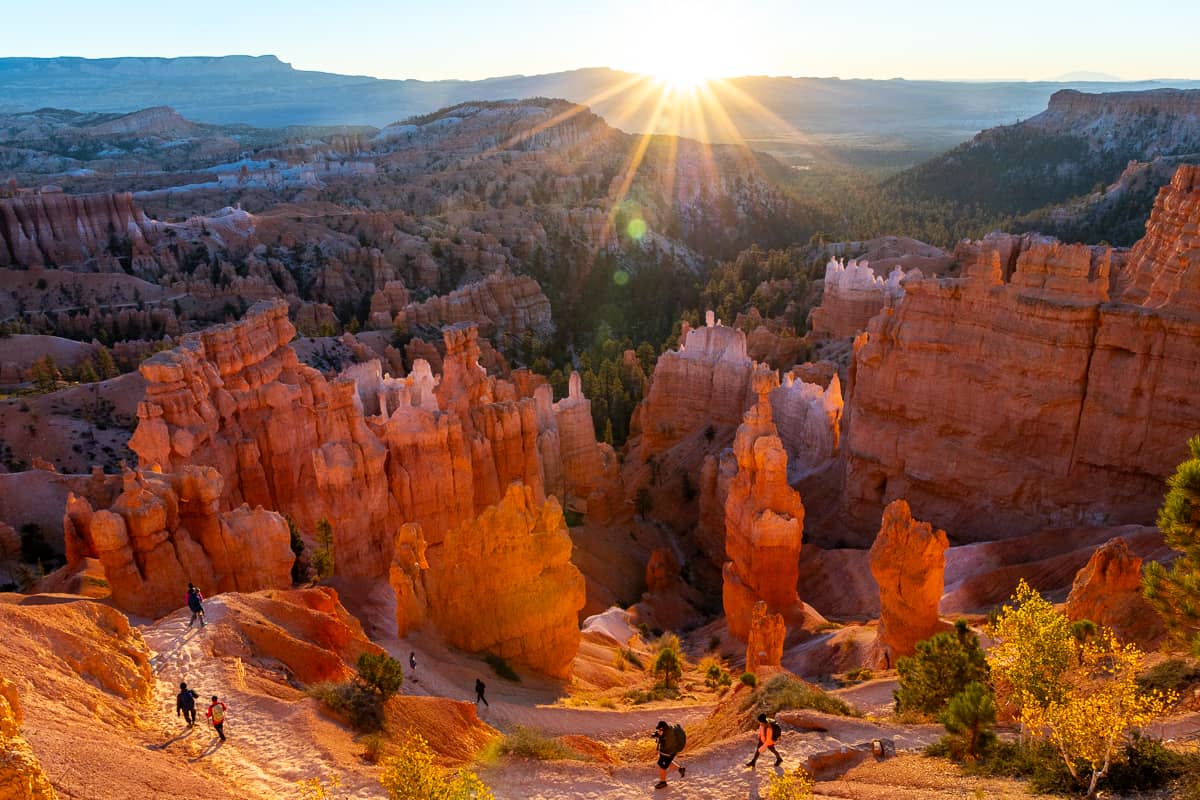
pixel 685 45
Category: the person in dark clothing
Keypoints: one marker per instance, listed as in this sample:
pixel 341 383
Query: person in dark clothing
pixel 216 713
pixel 412 660
pixel 666 758
pixel 479 689
pixel 185 703
pixel 766 740
pixel 195 603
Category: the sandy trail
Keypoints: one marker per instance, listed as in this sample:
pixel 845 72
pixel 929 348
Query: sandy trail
pixel 263 755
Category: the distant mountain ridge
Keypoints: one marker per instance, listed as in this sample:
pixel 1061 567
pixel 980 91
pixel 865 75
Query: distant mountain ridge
pixel 808 117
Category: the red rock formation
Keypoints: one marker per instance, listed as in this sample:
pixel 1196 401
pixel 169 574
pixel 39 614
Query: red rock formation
pixel 852 294
pixel 504 583
pixel 590 470
pixel 1000 408
pixel 764 645
pixel 163 532
pixel 501 302
pixel 908 561
pixel 406 577
pixel 10 543
pixel 21 774
pixel 1108 591
pixel 764 519
pixel 662 570
pixel 52 228
pixel 1160 263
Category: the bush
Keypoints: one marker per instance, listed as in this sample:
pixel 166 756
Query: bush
pixel 714 672
pixel 750 679
pixel 786 692
pixel 1171 675
pixel 361 707
pixel 372 747
pixel 794 785
pixel 322 558
pixel 501 668
pixel 969 719
pixel 941 668
pixel 413 775
pixel 319 788
pixel 380 673
pixel 526 742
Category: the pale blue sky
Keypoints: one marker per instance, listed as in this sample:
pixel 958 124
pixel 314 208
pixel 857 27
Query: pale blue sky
pixel 1024 39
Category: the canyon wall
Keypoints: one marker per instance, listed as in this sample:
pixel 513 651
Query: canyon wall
pixel 501 302
pixel 999 406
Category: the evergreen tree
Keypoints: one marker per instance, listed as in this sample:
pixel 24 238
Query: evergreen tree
pixel 1175 592
pixel 943 666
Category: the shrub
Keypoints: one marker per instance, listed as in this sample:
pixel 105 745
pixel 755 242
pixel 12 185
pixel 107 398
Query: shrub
pixel 749 679
pixel 969 719
pixel 714 672
pixel 372 747
pixel 941 668
pixel 380 673
pixel 526 742
pixel 413 775
pixel 794 785
pixel 361 707
pixel 633 659
pixel 501 668
pixel 319 788
pixel 786 692
pixel 859 675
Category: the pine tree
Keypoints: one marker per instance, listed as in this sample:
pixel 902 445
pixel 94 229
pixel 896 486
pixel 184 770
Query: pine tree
pixel 105 363
pixel 1175 593
pixel 322 559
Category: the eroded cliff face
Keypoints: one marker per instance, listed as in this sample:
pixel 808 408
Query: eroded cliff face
pixel 1108 591
pixel 852 294
pixel 406 471
pixel 52 228
pixel 997 407
pixel 21 774
pixel 165 531
pixel 764 519
pixel 501 302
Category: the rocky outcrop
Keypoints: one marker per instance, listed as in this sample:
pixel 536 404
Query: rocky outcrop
pixel 908 561
pixel 10 543
pixel 764 519
pixel 56 229
pixel 500 303
pixel 764 645
pixel 853 293
pixel 1108 591
pixel 504 583
pixel 591 477
pixel 21 774
pixel 406 577
pixel 705 382
pixel 1001 407
pixel 1163 265
pixel 165 531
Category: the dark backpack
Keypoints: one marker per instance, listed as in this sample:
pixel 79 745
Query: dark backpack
pixel 776 731
pixel 674 739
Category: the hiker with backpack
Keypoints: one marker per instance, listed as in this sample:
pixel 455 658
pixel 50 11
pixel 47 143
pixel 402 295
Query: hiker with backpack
pixel 671 741
pixel 216 714
pixel 768 734
pixel 195 603
pixel 185 702
pixel 479 689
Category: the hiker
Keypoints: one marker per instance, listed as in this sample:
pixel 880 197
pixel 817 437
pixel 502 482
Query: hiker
pixel 216 713
pixel 412 660
pixel 185 702
pixel 479 689
pixel 671 740
pixel 768 734
pixel 194 599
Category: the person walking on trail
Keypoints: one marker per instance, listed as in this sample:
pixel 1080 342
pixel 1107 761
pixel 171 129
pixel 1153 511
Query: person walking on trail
pixel 195 603
pixel 412 660
pixel 671 740
pixel 185 702
pixel 768 735
pixel 216 714
pixel 479 690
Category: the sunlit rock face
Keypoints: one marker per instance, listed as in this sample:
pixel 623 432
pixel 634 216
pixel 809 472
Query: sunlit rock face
pixel 165 531
pixel 504 583
pixel 21 774
pixel 764 645
pixel 416 475
pixel 53 228
pixel 998 406
pixel 1108 591
pixel 853 293
pixel 764 519
pixel 908 562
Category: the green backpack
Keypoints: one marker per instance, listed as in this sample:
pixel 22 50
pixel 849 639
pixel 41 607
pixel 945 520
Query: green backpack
pixel 674 739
